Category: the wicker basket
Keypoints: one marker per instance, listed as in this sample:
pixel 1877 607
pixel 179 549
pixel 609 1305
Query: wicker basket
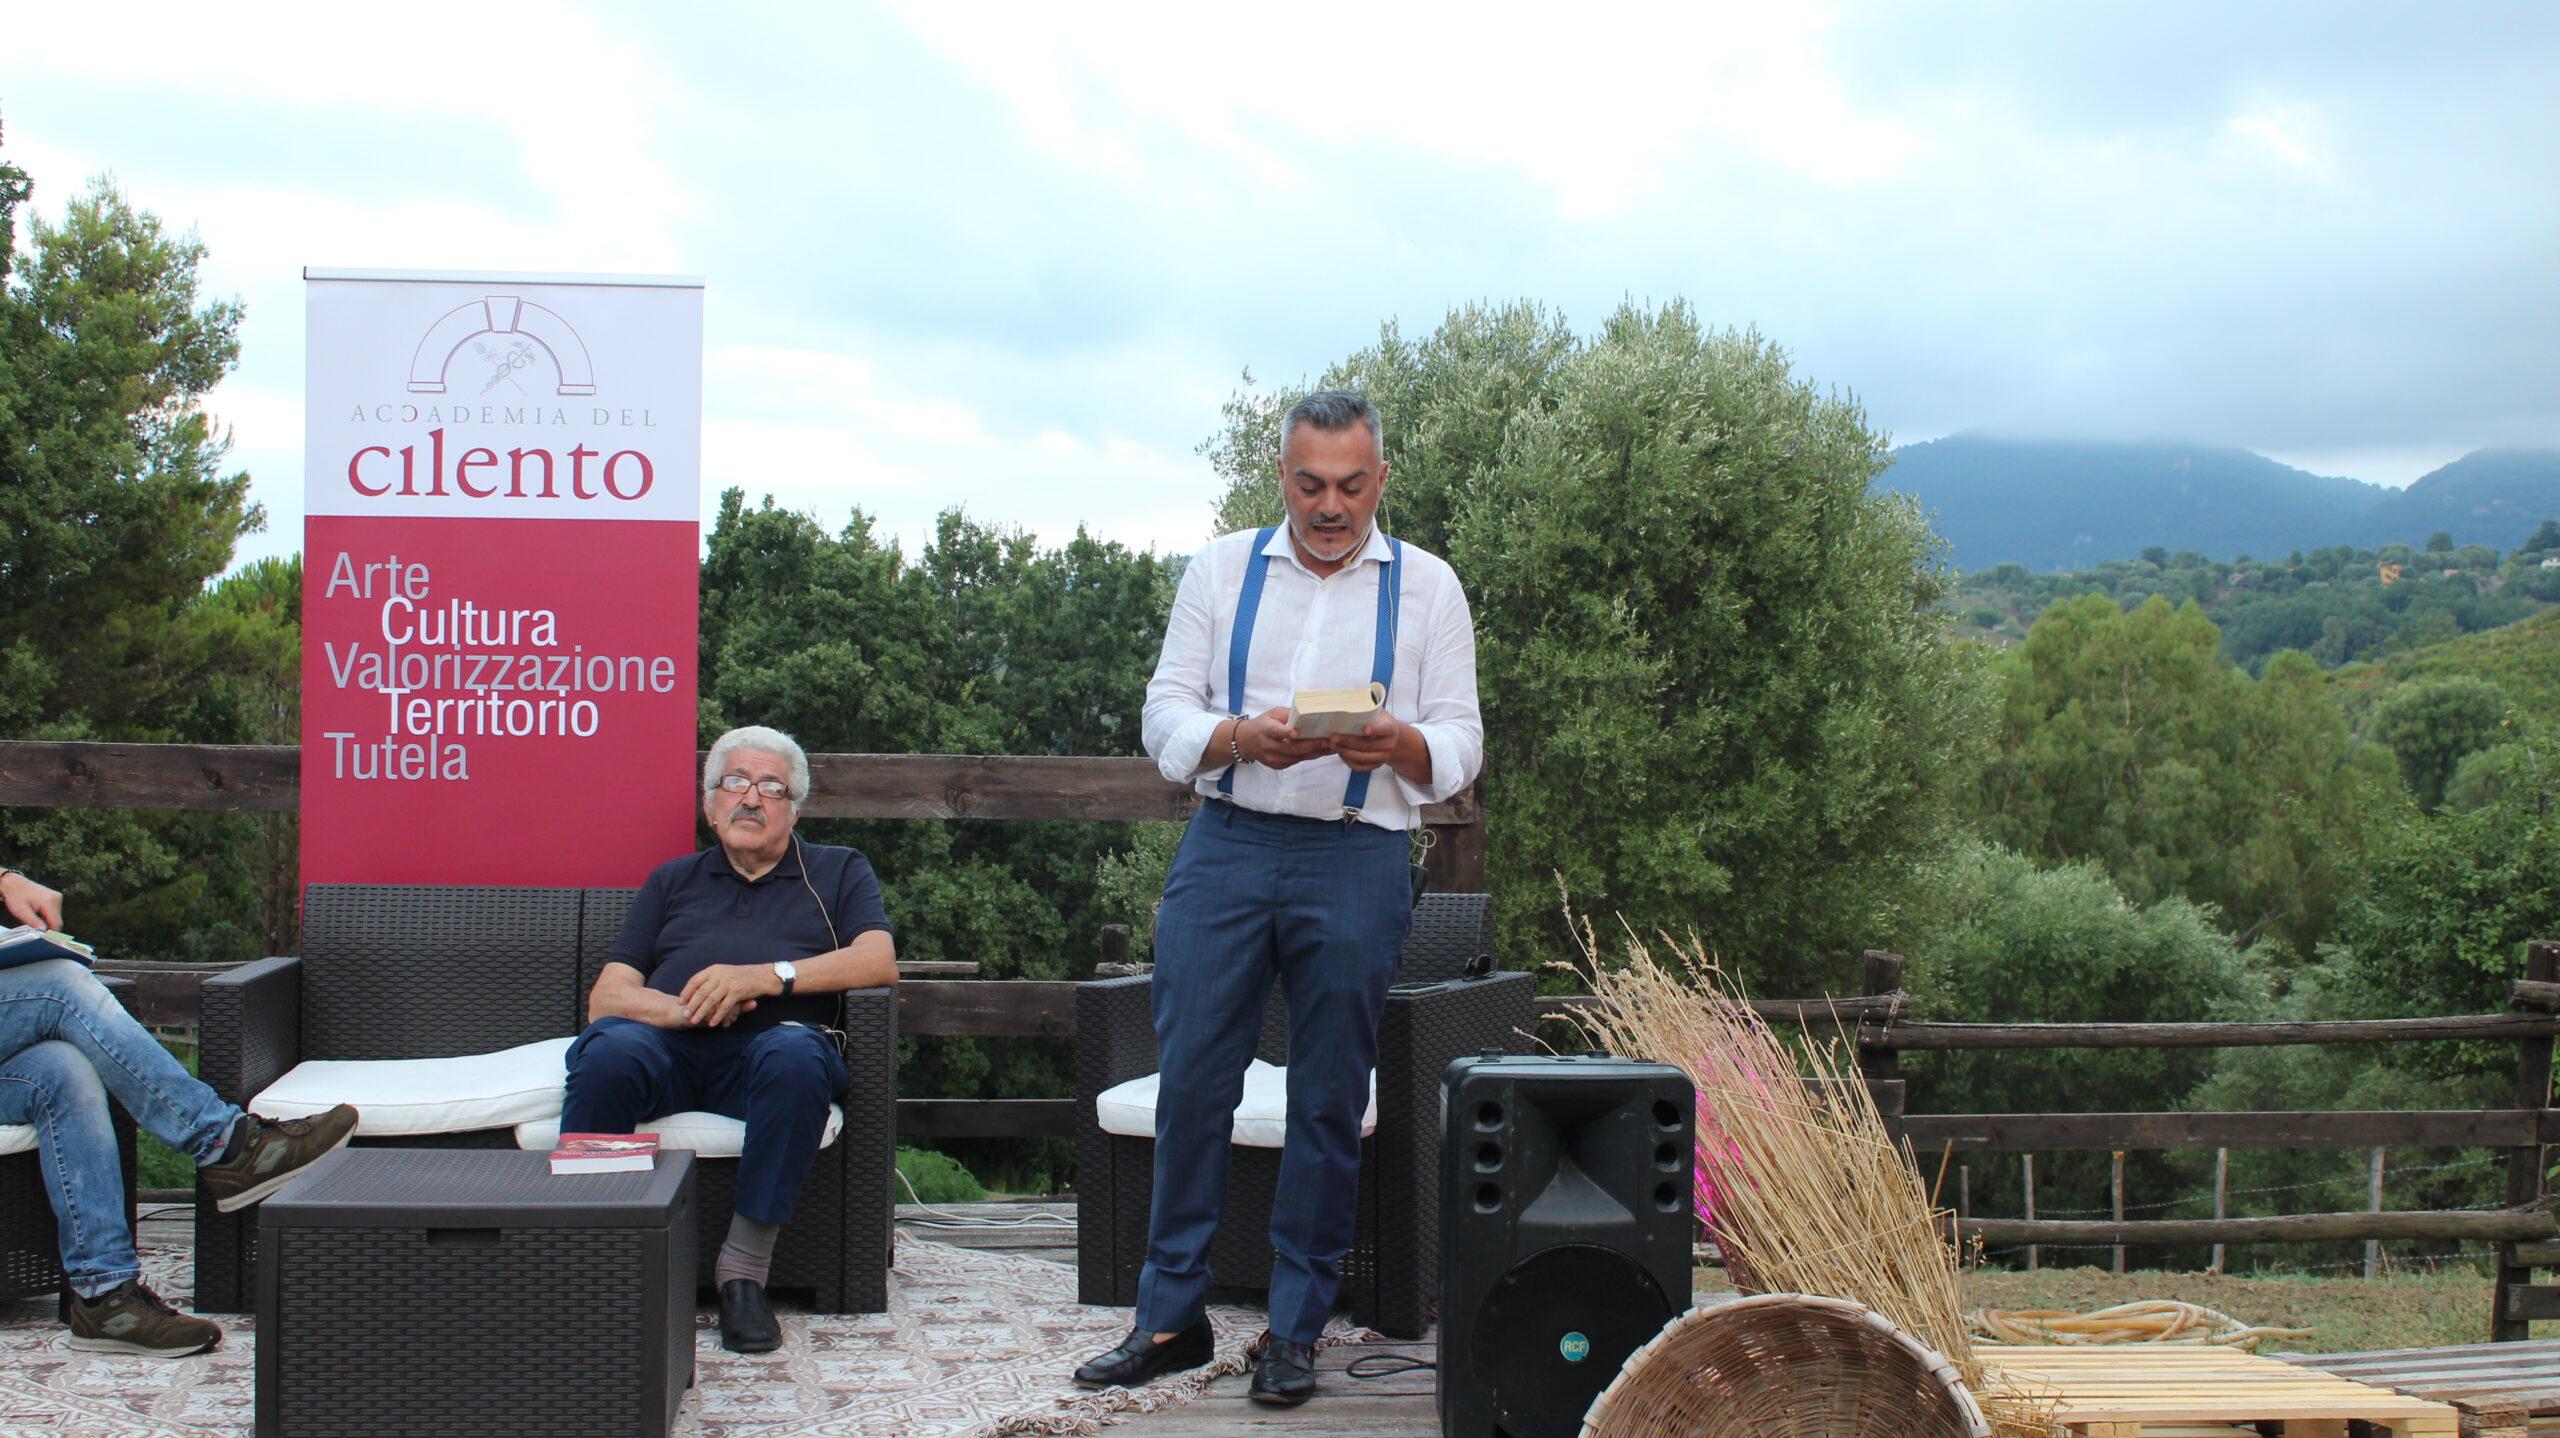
pixel 1785 1365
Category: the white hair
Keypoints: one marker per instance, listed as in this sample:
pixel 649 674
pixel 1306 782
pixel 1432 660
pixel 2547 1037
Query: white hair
pixel 758 737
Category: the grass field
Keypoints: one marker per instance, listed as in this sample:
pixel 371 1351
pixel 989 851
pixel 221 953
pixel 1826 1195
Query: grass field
pixel 2346 1314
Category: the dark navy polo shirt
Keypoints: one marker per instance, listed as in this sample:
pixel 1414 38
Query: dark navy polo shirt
pixel 695 911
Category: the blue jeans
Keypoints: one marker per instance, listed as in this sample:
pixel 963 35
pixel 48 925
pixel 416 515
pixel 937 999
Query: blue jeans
pixel 779 1081
pixel 1324 907
pixel 65 1046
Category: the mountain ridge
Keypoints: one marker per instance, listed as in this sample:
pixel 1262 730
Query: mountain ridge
pixel 2060 504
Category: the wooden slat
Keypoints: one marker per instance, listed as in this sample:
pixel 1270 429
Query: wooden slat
pixel 165 996
pixel 1002 1008
pixel 170 996
pixel 2045 1132
pixel 234 777
pixel 1913 1037
pixel 2146 1385
pixel 86 775
pixel 1849 1011
pixel 2533 1300
pixel 986 1118
pixel 2475 1225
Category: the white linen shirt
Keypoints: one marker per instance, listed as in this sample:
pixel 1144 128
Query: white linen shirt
pixel 1316 633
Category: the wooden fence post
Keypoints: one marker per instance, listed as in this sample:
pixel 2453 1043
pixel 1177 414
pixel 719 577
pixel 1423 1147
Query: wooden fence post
pixel 2028 1160
pixel 2373 1246
pixel 2221 1197
pixel 2524 1165
pixel 2118 1189
pixel 1880 976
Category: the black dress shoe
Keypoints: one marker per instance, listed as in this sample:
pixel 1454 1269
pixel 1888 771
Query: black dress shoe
pixel 1286 1374
pixel 1139 1357
pixel 746 1320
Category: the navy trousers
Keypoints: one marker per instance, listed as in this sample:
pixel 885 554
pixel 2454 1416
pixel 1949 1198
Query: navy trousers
pixel 623 1073
pixel 1324 907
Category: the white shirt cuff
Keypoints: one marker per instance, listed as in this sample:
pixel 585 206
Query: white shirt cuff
pixel 1446 769
pixel 1188 745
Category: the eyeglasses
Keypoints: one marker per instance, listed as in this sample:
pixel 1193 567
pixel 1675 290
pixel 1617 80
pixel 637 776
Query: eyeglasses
pixel 740 783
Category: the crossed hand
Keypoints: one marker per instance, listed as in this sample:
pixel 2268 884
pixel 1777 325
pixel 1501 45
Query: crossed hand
pixel 714 997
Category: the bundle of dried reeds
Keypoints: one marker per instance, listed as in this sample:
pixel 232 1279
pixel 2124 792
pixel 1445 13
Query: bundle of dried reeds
pixel 1796 1174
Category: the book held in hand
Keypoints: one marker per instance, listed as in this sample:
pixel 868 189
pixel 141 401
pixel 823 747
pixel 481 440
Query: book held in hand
pixel 605 1153
pixel 26 944
pixel 1323 713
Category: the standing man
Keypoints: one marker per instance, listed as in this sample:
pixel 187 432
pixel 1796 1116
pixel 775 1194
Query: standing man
pixel 1297 870
pixel 719 993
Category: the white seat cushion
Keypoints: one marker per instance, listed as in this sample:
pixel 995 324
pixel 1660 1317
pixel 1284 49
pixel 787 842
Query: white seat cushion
pixel 17 1137
pixel 708 1135
pixel 1262 1118
pixel 409 1096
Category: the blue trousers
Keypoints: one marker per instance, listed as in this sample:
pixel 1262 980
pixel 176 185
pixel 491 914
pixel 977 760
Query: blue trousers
pixel 1324 907
pixel 66 1046
pixel 780 1080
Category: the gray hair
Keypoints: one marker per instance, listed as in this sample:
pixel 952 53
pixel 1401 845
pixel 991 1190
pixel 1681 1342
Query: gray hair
pixel 1335 409
pixel 770 741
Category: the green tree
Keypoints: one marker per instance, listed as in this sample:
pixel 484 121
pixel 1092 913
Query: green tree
pixel 2500 772
pixel 2440 918
pixel 1998 939
pixel 2432 726
pixel 983 644
pixel 2545 538
pixel 114 511
pixel 117 514
pixel 2126 739
pixel 1718 692
pixel 2440 542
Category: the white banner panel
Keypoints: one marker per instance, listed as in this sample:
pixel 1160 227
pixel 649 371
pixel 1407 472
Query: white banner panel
pixel 503 397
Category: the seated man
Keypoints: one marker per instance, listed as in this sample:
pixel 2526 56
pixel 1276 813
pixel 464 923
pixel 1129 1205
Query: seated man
pixel 65 1046
pixel 718 997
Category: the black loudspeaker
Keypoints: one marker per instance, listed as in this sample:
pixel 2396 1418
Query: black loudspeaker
pixel 1565 1230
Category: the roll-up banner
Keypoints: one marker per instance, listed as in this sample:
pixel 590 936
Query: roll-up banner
pixel 503 477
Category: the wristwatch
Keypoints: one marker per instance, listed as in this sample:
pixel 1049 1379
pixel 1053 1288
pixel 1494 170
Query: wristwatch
pixel 783 970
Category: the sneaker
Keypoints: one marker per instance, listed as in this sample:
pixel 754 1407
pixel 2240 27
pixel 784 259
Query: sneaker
pixel 265 1153
pixel 133 1319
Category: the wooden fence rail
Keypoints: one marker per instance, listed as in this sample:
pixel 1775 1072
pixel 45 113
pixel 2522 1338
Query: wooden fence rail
pixel 267 778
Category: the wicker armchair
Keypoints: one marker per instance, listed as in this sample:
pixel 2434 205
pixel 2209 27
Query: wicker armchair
pixel 1434 1015
pixel 30 1251
pixel 393 972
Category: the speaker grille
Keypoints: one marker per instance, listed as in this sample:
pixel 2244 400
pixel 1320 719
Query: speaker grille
pixel 1555 1328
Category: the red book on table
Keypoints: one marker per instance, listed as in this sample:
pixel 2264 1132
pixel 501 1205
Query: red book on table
pixel 605 1153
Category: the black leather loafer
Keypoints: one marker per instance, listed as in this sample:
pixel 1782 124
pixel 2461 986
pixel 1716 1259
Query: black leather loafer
pixel 746 1320
pixel 1286 1375
pixel 1139 1357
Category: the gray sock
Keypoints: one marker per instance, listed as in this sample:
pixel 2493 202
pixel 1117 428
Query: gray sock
pixel 747 1252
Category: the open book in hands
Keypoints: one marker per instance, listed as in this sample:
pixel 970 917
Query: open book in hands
pixel 26 944
pixel 1323 713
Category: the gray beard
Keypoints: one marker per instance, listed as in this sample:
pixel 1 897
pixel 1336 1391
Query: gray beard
pixel 1299 537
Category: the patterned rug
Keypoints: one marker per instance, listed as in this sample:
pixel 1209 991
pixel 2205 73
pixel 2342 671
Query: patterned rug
pixel 975 1344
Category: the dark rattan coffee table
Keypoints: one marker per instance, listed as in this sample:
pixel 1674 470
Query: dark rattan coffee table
pixel 472 1292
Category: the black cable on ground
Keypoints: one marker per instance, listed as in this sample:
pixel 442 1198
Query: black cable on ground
pixel 1390 1364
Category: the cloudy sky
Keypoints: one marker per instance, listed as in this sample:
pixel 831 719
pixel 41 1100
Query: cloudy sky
pixel 1012 258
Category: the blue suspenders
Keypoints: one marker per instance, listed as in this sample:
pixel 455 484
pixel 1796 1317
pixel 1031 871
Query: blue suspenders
pixel 1382 668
